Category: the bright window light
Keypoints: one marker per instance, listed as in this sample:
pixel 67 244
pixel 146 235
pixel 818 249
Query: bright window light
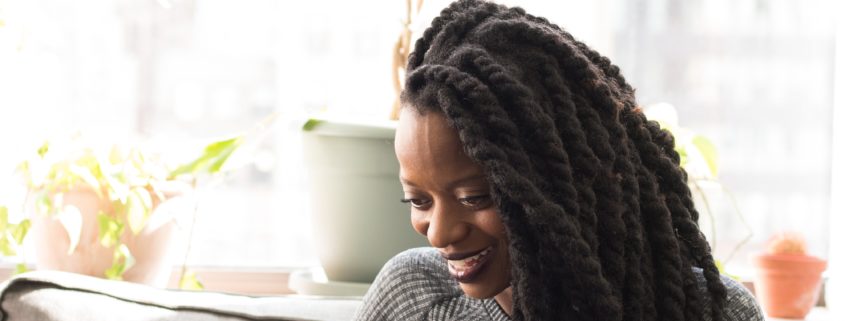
pixel 753 76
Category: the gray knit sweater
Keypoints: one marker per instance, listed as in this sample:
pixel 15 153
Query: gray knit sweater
pixel 415 285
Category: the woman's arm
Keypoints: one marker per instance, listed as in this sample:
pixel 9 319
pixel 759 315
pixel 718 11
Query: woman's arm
pixel 406 288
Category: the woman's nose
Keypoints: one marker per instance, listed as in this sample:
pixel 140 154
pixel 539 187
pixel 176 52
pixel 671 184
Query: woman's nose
pixel 445 226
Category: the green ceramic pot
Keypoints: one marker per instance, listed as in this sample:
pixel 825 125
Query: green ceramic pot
pixel 353 179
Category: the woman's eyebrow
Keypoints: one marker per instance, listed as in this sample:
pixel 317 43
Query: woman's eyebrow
pixel 406 182
pixel 473 178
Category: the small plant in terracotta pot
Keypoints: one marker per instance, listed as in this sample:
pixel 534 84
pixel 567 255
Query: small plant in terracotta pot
pixel 97 210
pixel 788 280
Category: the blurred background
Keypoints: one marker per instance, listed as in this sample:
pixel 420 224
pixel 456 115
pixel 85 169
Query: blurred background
pixel 756 77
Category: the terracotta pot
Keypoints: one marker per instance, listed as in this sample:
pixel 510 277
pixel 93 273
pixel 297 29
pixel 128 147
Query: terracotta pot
pixel 152 247
pixel 788 285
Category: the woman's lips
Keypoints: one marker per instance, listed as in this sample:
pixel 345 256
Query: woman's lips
pixel 468 267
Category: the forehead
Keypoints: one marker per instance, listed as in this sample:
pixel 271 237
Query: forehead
pixel 429 131
pixel 427 145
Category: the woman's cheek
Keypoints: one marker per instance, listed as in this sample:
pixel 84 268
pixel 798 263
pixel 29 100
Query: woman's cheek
pixel 418 222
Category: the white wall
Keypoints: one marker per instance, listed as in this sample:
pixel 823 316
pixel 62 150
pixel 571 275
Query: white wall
pixel 836 270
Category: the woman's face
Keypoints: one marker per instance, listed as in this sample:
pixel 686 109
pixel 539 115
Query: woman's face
pixel 450 203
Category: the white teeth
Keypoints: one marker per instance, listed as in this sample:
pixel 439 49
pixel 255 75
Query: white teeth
pixel 458 263
pixel 470 261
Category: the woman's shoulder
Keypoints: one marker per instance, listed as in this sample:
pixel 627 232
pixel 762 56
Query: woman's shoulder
pixel 408 287
pixel 421 259
pixel 740 304
pixel 423 268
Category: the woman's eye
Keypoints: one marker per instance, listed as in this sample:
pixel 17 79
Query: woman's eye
pixel 477 201
pixel 416 202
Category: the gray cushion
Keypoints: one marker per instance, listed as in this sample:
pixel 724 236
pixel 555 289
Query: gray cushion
pixel 50 295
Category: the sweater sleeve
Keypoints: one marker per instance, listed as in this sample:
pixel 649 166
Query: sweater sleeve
pixel 741 304
pixel 406 288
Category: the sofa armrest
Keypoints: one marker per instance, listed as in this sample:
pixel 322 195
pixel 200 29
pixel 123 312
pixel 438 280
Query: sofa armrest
pixel 51 295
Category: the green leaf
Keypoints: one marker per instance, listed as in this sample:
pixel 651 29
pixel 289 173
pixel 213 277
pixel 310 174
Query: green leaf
pixel 311 124
pixel 42 150
pixel 20 268
pixel 124 254
pixel 85 174
pixel 60 177
pixel 6 247
pixel 721 267
pixel 217 154
pixel 20 230
pixel 115 272
pixel 220 153
pixel 212 158
pixel 133 169
pixel 24 169
pixel 110 230
pixel 708 151
pixel 118 188
pixel 115 155
pixel 4 218
pixel 43 203
pixel 121 262
pixel 71 219
pixel 138 208
pixel 189 281
pixel 87 168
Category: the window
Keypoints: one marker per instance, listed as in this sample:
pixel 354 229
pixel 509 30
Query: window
pixel 179 73
pixel 754 76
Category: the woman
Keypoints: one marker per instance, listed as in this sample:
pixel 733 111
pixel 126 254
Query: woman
pixel 543 190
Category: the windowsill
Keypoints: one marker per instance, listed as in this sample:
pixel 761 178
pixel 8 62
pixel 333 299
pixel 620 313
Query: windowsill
pixel 258 282
pixel 817 314
pixel 244 281
pixel 274 281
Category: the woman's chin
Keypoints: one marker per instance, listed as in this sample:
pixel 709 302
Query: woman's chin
pixel 479 291
pixel 473 291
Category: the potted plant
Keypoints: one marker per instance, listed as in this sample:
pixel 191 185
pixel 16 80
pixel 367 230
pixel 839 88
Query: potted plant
pixel 788 280
pixel 700 159
pixel 353 179
pixel 106 211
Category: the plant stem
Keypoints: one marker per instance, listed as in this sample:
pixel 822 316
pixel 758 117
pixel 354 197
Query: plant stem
pixel 184 268
pixel 742 219
pixel 700 191
pixel 22 248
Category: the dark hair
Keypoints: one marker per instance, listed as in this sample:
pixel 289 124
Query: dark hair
pixel 600 220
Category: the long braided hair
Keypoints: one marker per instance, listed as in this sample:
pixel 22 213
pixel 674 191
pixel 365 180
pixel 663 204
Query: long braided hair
pixel 600 220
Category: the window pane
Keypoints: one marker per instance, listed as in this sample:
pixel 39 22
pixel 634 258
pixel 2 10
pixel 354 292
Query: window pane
pixel 754 76
pixel 179 73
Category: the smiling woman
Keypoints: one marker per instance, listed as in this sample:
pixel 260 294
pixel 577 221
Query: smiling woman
pixel 754 76
pixel 544 191
pixel 451 204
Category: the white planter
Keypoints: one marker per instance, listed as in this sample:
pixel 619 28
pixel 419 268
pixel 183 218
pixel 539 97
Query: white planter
pixel 354 187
